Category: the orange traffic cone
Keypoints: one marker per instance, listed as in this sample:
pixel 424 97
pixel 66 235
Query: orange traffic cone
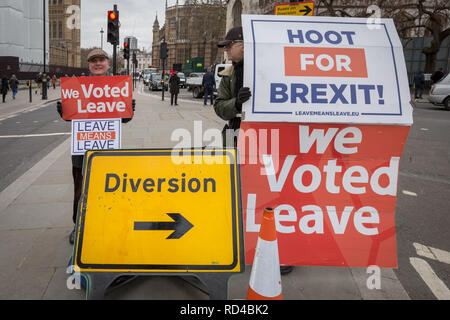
pixel 265 279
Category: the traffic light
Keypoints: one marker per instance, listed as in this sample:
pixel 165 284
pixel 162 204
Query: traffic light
pixel 164 50
pixel 113 27
pixel 126 50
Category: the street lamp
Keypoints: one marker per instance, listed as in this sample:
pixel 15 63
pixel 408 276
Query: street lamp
pixel 101 33
pixel 44 76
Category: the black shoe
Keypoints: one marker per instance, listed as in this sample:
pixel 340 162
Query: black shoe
pixel 72 236
pixel 286 269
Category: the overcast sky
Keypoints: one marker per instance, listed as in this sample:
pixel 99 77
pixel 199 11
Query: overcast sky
pixel 136 18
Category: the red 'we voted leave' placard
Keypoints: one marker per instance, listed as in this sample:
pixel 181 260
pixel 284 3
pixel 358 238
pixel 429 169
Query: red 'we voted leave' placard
pixel 106 97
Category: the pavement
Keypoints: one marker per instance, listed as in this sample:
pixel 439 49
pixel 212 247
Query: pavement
pixel 36 220
pixel 22 102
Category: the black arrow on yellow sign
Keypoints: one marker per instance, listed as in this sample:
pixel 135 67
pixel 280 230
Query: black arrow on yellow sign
pixel 306 10
pixel 180 226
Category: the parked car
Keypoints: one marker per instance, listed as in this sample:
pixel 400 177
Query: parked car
pixel 182 79
pixel 440 92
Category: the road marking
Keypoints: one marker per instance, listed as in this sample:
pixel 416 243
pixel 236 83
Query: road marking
pixel 424 177
pixel 432 253
pixel 36 135
pixel 409 193
pixel 433 282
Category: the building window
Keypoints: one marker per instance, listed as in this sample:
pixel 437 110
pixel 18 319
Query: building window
pixel 54 29
pixel 237 11
pixel 60 30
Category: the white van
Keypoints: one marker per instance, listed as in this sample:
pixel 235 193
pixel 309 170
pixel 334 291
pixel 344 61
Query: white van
pixel 194 81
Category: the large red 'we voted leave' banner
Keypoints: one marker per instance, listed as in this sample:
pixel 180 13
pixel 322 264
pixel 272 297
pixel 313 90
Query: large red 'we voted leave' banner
pixel 333 189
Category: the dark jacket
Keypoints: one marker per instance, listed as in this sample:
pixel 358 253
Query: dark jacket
pixel 5 86
pixel 419 80
pixel 437 76
pixel 208 80
pixel 174 84
pixel 225 104
pixel 13 83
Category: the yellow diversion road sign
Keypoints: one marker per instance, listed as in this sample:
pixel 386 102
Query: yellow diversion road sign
pixel 295 9
pixel 158 211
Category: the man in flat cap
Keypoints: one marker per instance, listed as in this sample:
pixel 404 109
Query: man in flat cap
pixel 98 62
pixel 231 93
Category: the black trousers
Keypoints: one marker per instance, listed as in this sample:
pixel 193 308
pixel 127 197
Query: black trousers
pixel 172 95
pixel 77 184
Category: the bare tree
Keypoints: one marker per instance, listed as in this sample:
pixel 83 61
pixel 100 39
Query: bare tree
pixel 424 18
pixel 412 18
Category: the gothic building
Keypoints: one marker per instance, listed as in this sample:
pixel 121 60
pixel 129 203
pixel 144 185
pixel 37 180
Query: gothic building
pixel 64 32
pixel 191 30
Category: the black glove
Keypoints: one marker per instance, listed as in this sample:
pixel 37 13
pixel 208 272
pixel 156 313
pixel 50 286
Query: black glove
pixel 59 108
pixel 243 95
pixel 133 104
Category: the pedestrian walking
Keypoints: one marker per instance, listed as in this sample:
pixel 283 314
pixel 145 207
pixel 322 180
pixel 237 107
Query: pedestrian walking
pixel 98 62
pixel 419 84
pixel 54 80
pixel 209 84
pixel 39 82
pixel 13 84
pixel 5 88
pixel 174 85
pixel 231 93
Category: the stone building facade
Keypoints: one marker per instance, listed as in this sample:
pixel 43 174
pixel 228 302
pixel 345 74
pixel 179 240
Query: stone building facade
pixel 191 30
pixel 64 32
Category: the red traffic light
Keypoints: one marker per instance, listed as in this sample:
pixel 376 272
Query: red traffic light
pixel 125 44
pixel 112 15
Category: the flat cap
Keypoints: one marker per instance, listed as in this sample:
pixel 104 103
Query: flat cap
pixel 97 53
pixel 234 34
